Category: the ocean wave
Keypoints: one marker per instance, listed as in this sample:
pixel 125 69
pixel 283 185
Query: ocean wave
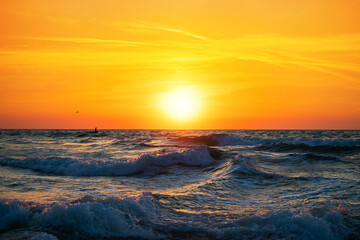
pixel 302 147
pixel 246 168
pixel 88 217
pixel 92 134
pixel 144 217
pixel 232 140
pixel 147 145
pixel 200 156
pixel 209 140
pixel 243 167
pixel 312 224
pixel 310 157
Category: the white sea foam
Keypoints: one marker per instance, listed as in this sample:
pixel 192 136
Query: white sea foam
pixel 286 225
pixel 142 217
pixel 275 190
pixel 75 167
pixel 110 217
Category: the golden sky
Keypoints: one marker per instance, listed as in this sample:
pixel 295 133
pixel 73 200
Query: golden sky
pixel 240 64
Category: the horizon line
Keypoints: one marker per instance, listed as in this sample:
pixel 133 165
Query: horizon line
pixel 184 129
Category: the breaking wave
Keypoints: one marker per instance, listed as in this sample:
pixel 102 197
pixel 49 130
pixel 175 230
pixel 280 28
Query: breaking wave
pixel 274 143
pixel 267 184
pixel 246 167
pixel 312 224
pixel 146 218
pixel 86 217
pixel 201 156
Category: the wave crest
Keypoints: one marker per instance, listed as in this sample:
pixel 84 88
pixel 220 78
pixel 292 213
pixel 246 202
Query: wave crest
pixel 146 163
pixel 232 140
pixel 286 225
pixel 244 167
pixel 146 218
pixel 99 218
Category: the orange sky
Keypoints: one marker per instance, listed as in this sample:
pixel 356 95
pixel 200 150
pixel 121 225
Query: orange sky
pixel 254 64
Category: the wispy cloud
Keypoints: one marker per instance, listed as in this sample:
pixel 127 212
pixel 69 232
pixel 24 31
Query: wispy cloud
pixel 146 25
pixel 330 54
pixel 82 40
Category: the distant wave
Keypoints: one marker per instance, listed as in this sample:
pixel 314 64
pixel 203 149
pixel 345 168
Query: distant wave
pixel 146 218
pixel 296 157
pixel 54 133
pixel 92 134
pixel 209 140
pixel 147 145
pixel 200 156
pixel 246 168
pixel 225 140
pixel 286 147
pixel 310 157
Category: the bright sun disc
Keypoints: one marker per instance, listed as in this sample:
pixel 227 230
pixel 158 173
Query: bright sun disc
pixel 182 103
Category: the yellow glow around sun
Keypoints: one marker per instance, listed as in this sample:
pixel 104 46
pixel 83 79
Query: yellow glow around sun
pixel 182 104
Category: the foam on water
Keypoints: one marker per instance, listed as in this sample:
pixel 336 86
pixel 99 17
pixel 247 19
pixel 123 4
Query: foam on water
pixel 165 184
pixel 75 167
pixel 110 217
pixel 286 225
pixel 145 217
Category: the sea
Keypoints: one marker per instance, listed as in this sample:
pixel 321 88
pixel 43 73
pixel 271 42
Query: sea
pixel 180 184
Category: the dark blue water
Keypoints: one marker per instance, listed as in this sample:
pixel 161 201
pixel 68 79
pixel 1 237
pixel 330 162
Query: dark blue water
pixel 162 184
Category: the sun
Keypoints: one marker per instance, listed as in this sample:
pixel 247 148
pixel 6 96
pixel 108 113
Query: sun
pixel 182 103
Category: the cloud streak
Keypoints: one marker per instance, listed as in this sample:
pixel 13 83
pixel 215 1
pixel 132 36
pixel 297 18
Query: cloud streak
pixel 285 51
pixel 83 40
pixel 146 25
